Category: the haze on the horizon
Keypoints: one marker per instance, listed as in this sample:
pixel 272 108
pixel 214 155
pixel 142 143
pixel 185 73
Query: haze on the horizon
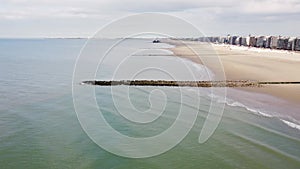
pixel 82 18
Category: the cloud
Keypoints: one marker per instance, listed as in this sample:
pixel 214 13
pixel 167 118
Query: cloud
pixel 20 9
pixel 211 15
pixel 271 6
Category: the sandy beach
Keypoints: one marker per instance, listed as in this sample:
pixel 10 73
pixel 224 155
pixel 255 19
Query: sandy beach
pixel 249 64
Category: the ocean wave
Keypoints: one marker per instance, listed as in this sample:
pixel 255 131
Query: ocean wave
pixel 263 113
pixel 201 72
pixel 291 124
pixel 253 110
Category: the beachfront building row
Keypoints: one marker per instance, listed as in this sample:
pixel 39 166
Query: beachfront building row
pixel 272 42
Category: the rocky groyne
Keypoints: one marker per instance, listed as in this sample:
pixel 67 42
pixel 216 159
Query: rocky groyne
pixel 240 83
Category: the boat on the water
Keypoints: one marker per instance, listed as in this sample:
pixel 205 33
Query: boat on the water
pixel 156 41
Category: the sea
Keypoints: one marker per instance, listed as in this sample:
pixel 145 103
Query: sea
pixel 45 114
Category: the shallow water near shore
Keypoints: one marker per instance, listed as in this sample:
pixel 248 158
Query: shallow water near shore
pixel 40 129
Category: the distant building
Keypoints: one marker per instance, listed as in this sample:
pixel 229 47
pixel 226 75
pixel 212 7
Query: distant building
pixel 243 41
pixel 203 39
pixel 223 40
pixel 291 44
pixel 268 42
pixel 280 43
pixel 237 41
pixel 283 43
pixel 297 44
pixel 252 41
pixel 261 41
pixel 247 41
pixel 232 40
pixel 217 39
pixel 228 39
pixel 210 39
pixel 273 40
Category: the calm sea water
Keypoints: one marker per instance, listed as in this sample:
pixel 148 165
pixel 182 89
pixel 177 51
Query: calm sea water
pixel 39 127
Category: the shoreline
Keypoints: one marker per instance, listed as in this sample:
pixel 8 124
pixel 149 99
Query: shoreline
pixel 252 65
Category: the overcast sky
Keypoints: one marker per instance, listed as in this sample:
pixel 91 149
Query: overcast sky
pixel 82 18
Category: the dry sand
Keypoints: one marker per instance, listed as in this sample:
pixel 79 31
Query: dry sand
pixel 240 64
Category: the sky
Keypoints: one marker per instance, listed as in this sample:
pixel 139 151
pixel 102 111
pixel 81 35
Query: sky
pixel 82 18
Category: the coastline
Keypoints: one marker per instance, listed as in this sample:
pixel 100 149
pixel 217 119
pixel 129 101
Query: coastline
pixel 250 65
pixel 253 65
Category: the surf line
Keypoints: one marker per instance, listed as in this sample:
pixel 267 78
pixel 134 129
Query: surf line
pixel 229 83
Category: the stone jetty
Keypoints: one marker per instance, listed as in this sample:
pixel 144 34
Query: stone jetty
pixel 240 83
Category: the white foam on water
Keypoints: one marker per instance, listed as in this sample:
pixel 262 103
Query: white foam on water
pixel 232 103
pixel 291 124
pixel 256 111
pixel 263 113
pixel 217 98
pixel 201 72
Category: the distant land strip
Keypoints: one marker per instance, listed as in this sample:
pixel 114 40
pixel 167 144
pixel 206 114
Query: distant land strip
pixel 205 54
pixel 239 83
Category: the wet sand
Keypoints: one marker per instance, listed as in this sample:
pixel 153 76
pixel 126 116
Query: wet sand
pixel 241 64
